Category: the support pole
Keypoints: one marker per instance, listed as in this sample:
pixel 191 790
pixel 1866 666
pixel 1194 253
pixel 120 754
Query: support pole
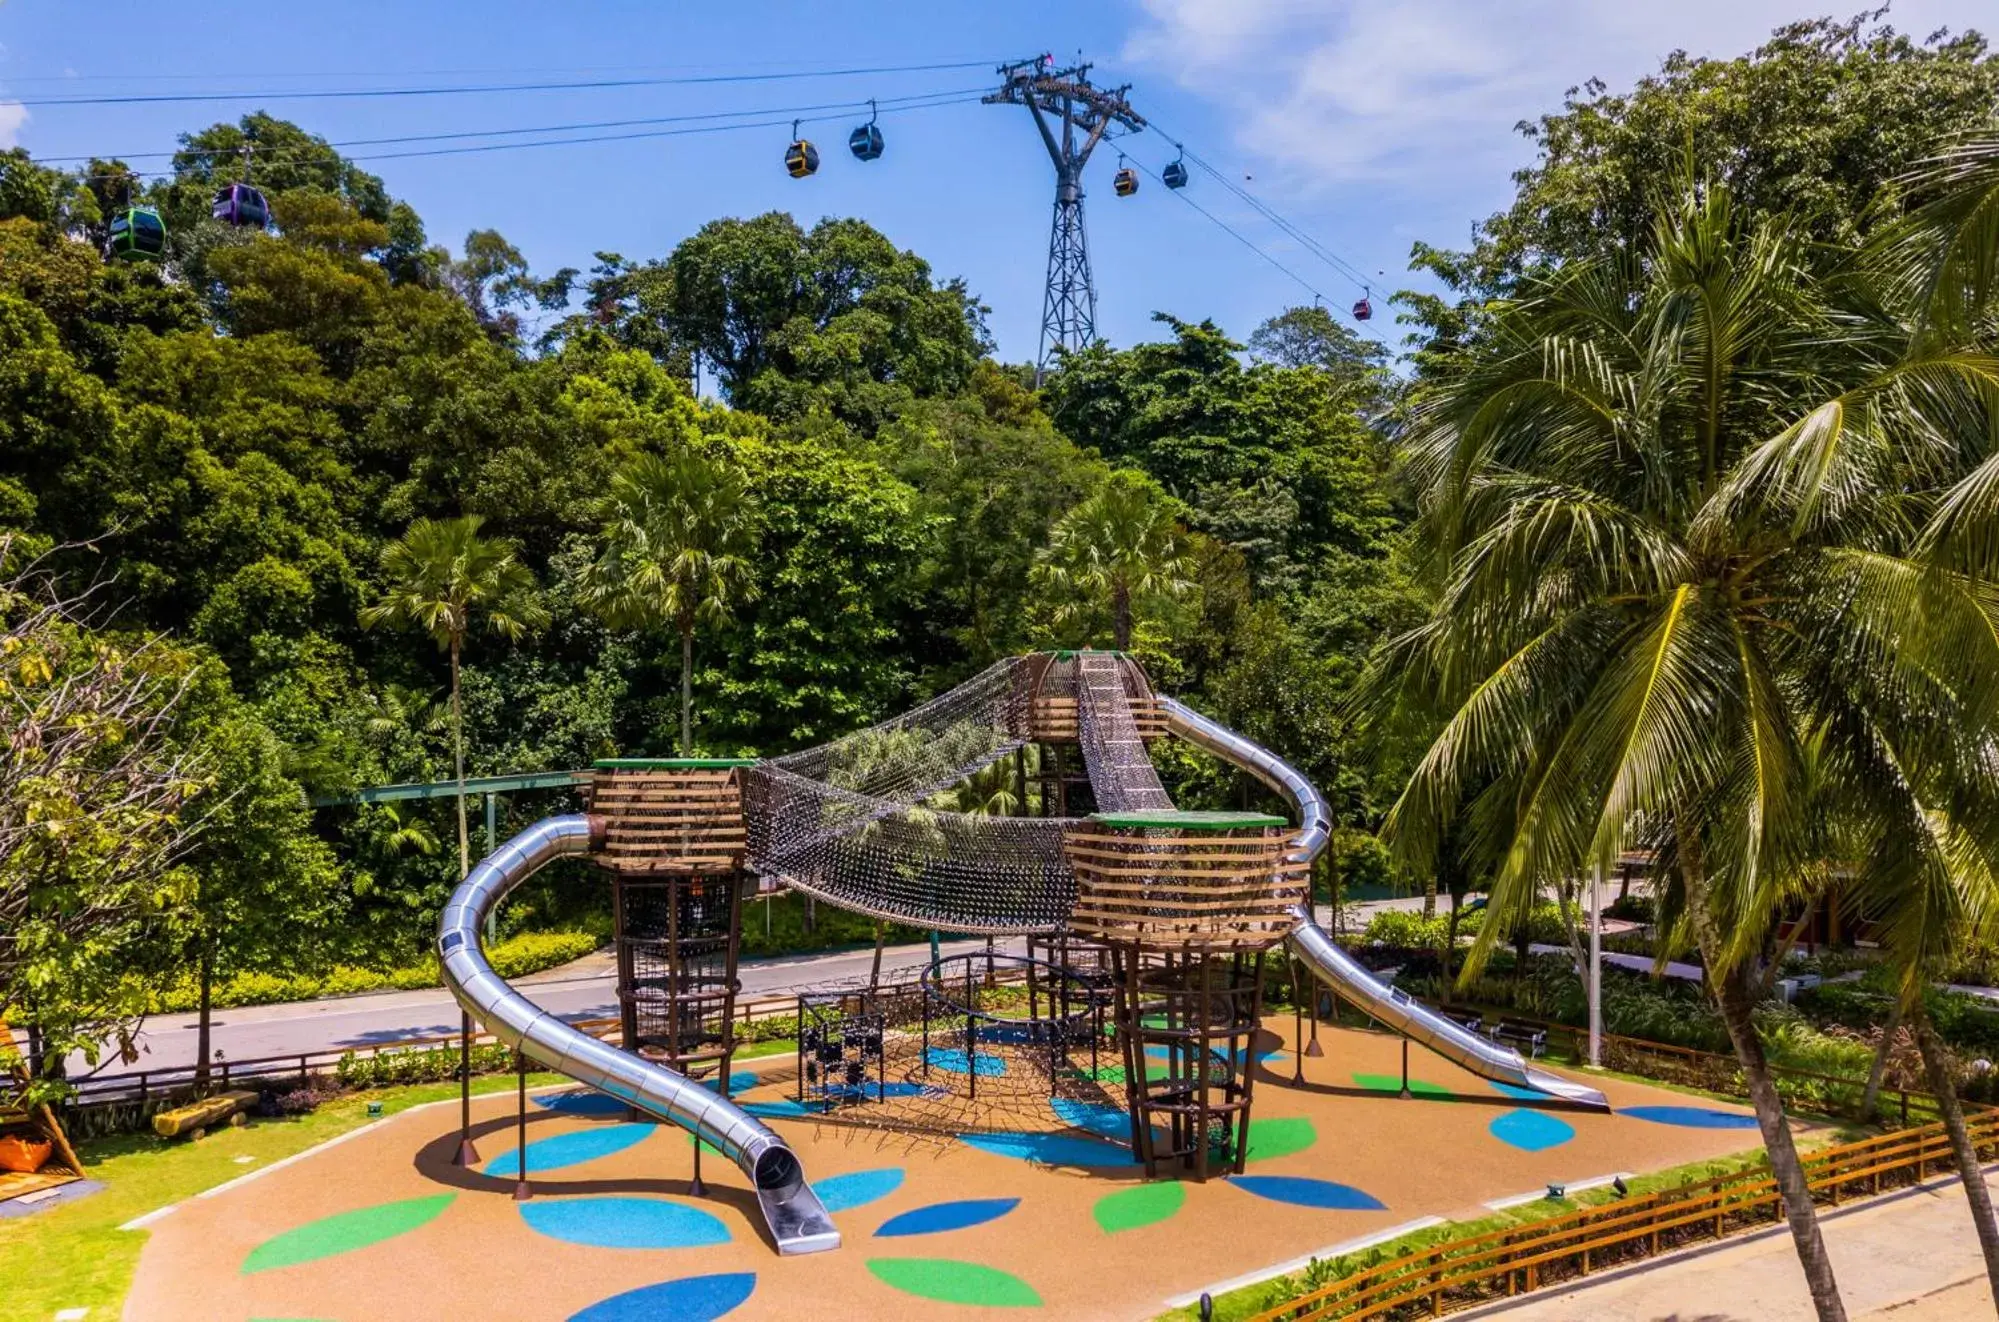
pixel 492 843
pixel 1298 1030
pixel 1405 1068
pixel 468 1155
pixel 1596 967
pixel 521 1190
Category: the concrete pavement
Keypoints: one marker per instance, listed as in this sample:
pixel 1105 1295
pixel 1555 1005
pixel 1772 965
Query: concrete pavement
pixel 1912 1256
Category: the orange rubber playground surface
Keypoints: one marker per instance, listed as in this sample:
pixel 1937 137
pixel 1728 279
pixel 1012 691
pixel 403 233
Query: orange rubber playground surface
pixel 1049 1219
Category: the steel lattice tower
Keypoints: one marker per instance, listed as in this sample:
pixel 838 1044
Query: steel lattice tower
pixel 1065 97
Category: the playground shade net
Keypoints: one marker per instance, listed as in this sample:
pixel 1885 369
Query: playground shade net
pixel 862 822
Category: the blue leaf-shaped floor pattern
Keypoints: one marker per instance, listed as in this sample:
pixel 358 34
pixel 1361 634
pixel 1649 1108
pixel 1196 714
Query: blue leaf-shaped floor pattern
pixel 624 1223
pixel 952 1060
pixel 842 1193
pixel 1531 1131
pixel 940 1217
pixel 1690 1117
pixel 1050 1149
pixel 571 1149
pixel 583 1103
pixel 689 1299
pixel 1300 1191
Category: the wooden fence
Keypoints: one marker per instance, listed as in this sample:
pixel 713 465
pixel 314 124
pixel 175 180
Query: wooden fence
pixel 1477 1269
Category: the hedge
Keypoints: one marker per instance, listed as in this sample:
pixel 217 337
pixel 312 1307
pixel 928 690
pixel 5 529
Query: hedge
pixel 516 957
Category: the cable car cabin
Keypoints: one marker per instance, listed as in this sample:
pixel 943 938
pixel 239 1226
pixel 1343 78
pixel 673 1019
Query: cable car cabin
pixel 1363 309
pixel 138 235
pixel 1174 175
pixel 801 159
pixel 1125 181
pixel 241 205
pixel 865 142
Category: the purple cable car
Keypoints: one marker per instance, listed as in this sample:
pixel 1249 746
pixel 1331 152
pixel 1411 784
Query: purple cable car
pixel 241 205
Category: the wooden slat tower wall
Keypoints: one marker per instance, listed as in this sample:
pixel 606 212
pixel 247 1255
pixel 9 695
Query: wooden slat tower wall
pixel 1187 904
pixel 674 845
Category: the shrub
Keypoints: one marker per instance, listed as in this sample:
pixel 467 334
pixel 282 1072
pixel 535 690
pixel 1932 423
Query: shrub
pixel 417 1065
pixel 516 957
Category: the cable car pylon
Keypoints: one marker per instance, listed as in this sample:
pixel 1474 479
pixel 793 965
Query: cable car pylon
pixel 1065 100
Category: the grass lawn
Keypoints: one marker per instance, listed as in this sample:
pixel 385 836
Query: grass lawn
pixel 74 1255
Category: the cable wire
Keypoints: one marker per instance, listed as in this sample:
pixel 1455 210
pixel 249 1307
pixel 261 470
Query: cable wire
pixel 1347 270
pixel 914 102
pixel 350 93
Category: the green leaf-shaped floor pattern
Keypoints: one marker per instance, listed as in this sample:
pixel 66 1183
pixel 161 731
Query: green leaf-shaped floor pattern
pixel 1280 1137
pixel 1140 1205
pixel 948 1281
pixel 344 1232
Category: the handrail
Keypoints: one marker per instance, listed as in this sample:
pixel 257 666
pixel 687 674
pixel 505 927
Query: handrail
pixel 1474 1269
pixel 140 1085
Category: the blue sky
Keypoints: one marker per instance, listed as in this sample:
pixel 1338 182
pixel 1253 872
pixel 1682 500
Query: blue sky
pixel 1370 124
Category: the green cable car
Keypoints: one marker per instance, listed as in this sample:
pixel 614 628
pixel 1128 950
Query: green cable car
pixel 137 235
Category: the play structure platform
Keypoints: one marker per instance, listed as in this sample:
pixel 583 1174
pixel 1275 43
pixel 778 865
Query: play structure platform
pixel 1169 915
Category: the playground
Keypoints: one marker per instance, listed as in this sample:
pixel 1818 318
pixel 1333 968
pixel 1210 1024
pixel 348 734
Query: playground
pixel 1105 1126
pixel 1060 1219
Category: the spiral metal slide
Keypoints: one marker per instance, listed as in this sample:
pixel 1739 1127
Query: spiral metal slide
pixel 797 1220
pixel 1317 950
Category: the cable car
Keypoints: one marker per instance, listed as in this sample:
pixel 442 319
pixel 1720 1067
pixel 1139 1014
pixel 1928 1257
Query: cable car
pixel 866 140
pixel 1363 309
pixel 1174 175
pixel 137 235
pixel 1125 181
pixel 241 205
pixel 801 157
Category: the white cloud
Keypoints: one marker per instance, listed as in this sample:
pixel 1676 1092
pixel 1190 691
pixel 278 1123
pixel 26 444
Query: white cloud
pixel 1416 91
pixel 12 115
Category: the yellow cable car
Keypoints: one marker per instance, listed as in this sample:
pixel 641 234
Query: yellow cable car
pixel 1125 181
pixel 801 157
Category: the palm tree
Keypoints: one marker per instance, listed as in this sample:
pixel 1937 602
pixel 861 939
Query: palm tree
pixel 679 533
pixel 1121 543
pixel 1689 512
pixel 439 574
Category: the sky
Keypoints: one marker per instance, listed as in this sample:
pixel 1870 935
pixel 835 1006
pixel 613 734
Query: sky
pixel 1368 124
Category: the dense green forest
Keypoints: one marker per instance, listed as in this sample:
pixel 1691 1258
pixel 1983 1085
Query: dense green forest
pixel 220 455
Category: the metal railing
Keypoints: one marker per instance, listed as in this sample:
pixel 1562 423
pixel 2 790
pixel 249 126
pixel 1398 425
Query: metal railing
pixel 1477 1269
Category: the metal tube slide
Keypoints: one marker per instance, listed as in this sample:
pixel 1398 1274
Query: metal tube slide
pixel 1316 949
pixel 798 1221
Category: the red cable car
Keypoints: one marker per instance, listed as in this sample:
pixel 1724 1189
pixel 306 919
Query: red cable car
pixel 1363 309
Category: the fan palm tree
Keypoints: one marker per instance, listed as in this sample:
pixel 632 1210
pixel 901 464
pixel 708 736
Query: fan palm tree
pixel 440 575
pixel 679 533
pixel 1122 544
pixel 1690 513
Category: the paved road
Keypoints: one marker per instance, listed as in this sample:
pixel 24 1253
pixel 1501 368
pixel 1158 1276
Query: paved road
pixel 1910 1257
pixel 582 990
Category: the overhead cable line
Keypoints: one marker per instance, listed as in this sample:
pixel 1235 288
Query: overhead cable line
pixel 785 118
pixel 352 93
pixel 915 102
pixel 1346 269
pixel 1235 234
pixel 517 71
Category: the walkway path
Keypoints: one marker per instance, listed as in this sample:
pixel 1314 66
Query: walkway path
pixel 1912 1257
pixel 584 989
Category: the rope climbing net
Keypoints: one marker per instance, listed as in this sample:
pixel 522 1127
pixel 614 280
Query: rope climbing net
pixel 869 822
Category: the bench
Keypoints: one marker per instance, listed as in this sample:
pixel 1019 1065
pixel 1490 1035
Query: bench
pixel 1469 1020
pixel 1527 1037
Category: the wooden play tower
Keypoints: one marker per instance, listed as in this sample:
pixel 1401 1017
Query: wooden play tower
pixel 673 844
pixel 1187 903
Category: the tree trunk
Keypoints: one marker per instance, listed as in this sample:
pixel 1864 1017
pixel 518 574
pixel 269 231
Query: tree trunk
pixel 1733 995
pixel 1937 1066
pixel 686 689
pixel 1121 617
pixel 1450 946
pixel 1870 1101
pixel 205 975
pixel 875 973
pixel 458 761
pixel 1430 896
